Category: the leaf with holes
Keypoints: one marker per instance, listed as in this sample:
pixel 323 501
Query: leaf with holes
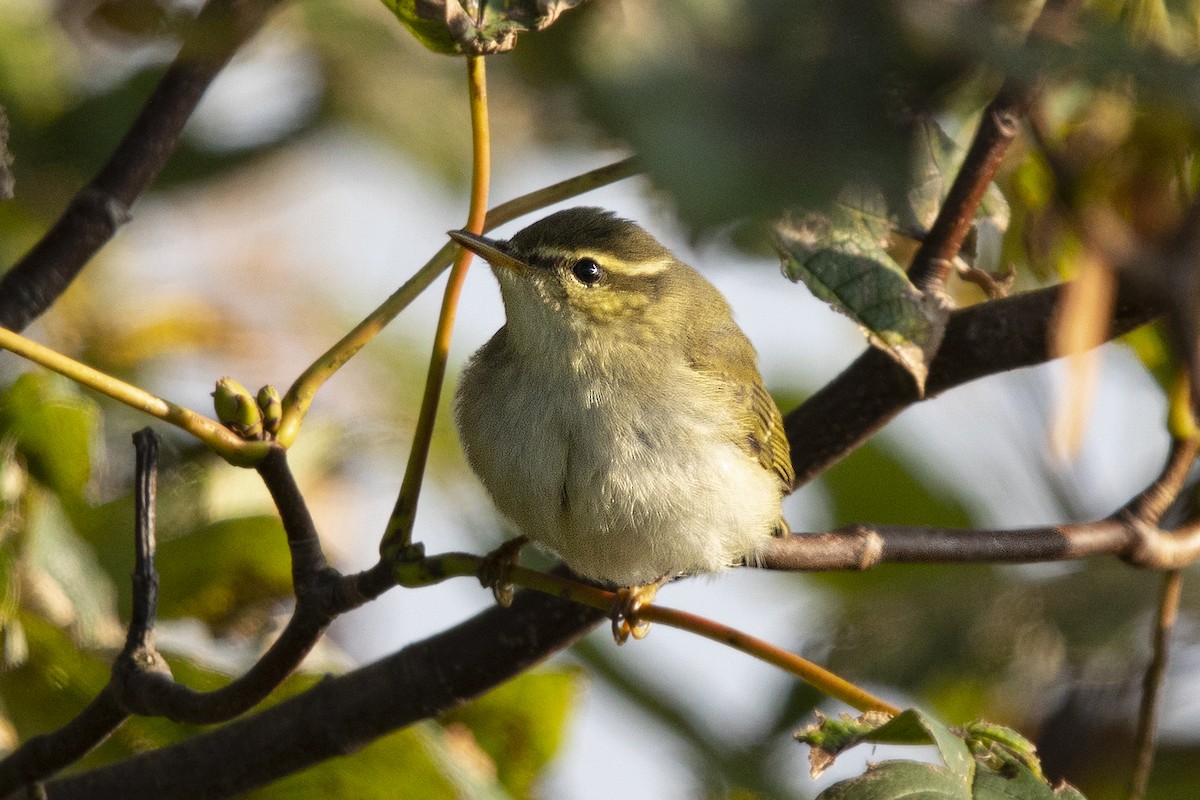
pixel 459 27
pixel 842 258
pixel 830 737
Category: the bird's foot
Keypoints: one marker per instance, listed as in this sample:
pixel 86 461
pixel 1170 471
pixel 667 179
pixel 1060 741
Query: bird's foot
pixel 627 606
pixel 493 572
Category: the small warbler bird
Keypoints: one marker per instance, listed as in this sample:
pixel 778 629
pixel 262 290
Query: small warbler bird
pixel 618 417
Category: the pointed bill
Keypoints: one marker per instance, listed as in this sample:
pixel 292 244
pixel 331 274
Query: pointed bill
pixel 489 250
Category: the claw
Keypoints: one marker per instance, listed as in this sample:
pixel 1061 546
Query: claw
pixel 493 572
pixel 626 607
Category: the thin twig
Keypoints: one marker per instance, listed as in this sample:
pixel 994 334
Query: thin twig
pixel 220 439
pixel 320 598
pixel 346 712
pixel 434 569
pixel 300 396
pixel 1156 670
pixel 46 754
pixel 145 576
pixel 95 213
pixel 1130 533
pixel 397 536
pixel 998 127
pixel 304 544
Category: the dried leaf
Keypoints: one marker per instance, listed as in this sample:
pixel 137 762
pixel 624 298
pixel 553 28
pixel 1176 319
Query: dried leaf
pixel 458 27
pixel 1081 327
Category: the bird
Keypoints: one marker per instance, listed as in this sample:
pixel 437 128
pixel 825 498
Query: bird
pixel 618 418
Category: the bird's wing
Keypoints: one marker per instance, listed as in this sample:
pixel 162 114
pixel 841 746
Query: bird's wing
pixel 728 357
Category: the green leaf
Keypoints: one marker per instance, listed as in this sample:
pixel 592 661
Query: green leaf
pixel 900 780
pixel 999 746
pixel 398 766
pixel 217 571
pixel 213 572
pixel 897 497
pixel 6 176
pixel 55 683
pixel 936 162
pixel 54 429
pixel 71 583
pixel 829 738
pixel 520 724
pixel 842 258
pixel 1016 782
pixel 454 26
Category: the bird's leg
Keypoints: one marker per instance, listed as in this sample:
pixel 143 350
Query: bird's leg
pixel 625 608
pixel 493 572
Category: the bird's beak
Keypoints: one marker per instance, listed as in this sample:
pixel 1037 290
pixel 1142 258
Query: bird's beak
pixel 489 250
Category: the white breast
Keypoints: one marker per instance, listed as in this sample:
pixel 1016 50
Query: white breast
pixel 624 492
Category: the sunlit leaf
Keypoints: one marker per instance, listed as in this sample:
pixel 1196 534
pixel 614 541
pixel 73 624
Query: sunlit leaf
pixel 520 724
pixel 398 766
pixel 68 582
pixel 842 258
pixel 6 176
pixel 224 568
pixel 455 26
pixel 54 429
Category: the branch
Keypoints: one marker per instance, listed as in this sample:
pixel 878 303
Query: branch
pixel 321 595
pixel 1131 533
pixel 345 713
pixel 46 754
pixel 95 213
pixel 141 681
pixel 1156 670
pixel 984 339
pixel 222 441
pixel 300 396
pixel 998 127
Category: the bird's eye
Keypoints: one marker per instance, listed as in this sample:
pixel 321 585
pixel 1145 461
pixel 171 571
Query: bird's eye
pixel 587 271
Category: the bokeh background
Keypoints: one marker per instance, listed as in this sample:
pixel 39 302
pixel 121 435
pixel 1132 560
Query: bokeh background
pixel 323 168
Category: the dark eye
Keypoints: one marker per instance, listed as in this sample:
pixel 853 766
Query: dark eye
pixel 587 271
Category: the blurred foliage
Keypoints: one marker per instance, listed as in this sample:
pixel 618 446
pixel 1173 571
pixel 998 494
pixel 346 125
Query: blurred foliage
pixel 739 110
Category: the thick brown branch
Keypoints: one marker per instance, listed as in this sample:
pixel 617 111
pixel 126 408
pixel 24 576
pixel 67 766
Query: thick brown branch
pixel 46 754
pixel 345 713
pixel 985 339
pixel 102 206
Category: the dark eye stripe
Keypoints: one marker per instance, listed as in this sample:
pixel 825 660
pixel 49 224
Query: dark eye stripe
pixel 587 271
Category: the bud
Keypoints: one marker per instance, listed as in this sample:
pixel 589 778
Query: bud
pixel 237 409
pixel 272 408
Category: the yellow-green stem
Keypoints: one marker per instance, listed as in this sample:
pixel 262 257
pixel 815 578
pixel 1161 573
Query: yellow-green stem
pixel 398 535
pixel 223 441
pixel 812 674
pixel 300 396
pixel 435 569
